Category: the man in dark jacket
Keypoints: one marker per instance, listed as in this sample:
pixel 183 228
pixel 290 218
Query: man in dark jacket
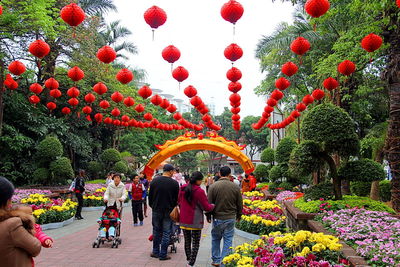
pixel 228 208
pixel 163 197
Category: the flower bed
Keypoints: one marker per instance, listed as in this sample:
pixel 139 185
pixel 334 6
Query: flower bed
pixel 288 196
pixel 94 199
pixel 319 206
pixel 25 193
pixel 374 235
pixel 255 195
pixel 302 248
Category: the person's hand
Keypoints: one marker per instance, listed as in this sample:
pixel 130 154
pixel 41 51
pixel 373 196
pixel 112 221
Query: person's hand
pixel 49 243
pixel 120 200
pixel 105 200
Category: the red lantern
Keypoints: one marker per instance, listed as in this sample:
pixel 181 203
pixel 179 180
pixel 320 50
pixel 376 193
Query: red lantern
pixel 76 74
pixel 232 11
pixel 16 67
pixel 55 93
pixel 233 52
pixel 125 118
pixel 269 109
pixel 371 42
pixel 145 92
pixel 139 108
pixel 308 99
pixel 317 8
pixel 51 106
pixel 98 117
pixel 124 76
pixel 272 102
pixel 1 10
pixel 277 95
pixel 117 122
pixel 300 46
pixel 235 105
pixel 235 117
pixel 172 108
pixel 129 101
pixel 148 116
pixel 235 110
pixel 398 3
pixel 73 102
pixel 108 120
pixel 66 110
pixel 73 92
pixel 196 101
pixel 72 14
pixel 155 17
pixel 266 115
pixel 282 83
pixel 190 91
pixel 301 107
pixel 34 99
pixel 234 74
pixel 180 74
pixel 206 118
pixel 171 54
pixel 289 69
pixel 87 110
pixel 39 48
pixel 234 87
pixel 117 97
pixel 164 104
pixel 11 84
pixel 90 98
pixel 115 112
pixel 104 104
pixel 347 67
pixel 100 88
pixel 235 98
pixel 36 88
pixel 156 100
pixel 106 54
pixel 330 84
pixel 178 116
pixel 51 84
pixel 295 114
pixel 318 94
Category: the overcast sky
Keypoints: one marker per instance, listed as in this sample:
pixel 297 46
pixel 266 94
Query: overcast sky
pixel 198 30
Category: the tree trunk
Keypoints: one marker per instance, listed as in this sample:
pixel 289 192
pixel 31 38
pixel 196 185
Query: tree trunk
pixel 374 194
pixel 335 179
pixel 2 90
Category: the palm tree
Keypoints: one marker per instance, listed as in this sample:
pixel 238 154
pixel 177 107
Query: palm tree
pixel 97 7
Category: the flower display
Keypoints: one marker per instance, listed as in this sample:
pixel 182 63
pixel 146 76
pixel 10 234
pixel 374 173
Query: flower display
pixel 24 193
pixel 254 195
pixel 94 199
pixel 302 248
pixel 374 235
pixel 288 196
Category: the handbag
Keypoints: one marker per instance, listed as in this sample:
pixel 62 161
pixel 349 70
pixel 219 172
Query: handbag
pixel 175 214
pixel 72 186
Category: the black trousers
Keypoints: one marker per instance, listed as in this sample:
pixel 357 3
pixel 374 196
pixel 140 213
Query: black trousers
pixel 80 204
pixel 192 245
pixel 137 210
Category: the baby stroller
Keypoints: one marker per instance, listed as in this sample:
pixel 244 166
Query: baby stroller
pixel 107 223
pixel 174 238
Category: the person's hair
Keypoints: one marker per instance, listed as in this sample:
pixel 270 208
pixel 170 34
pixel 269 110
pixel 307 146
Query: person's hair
pixel 196 176
pixel 108 212
pixel 82 173
pixel 110 174
pixel 225 171
pixel 116 174
pixel 7 191
pixel 246 175
pixel 177 170
pixel 144 175
pixel 252 174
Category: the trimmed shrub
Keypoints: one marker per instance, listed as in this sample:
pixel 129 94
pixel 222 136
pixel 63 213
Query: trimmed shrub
pixel 40 176
pixel 110 155
pixel 283 150
pixel 62 170
pixel 125 154
pixel 286 186
pixel 365 170
pixel 268 155
pixel 49 149
pixel 261 172
pixel 120 167
pixel 361 189
pixel 275 173
pixel 385 188
pixel 305 158
pixel 95 168
pixel 319 191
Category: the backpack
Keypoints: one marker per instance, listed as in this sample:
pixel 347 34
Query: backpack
pixel 72 186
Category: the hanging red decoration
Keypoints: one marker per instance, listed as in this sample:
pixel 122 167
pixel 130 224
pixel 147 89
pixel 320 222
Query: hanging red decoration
pixel 234 87
pixel 398 3
pixel 100 88
pixel 317 8
pixel 145 92
pixel 330 84
pixel 232 11
pixel 295 114
pixel 164 104
pixel 39 48
pixel 233 52
pixel 235 104
pixel 72 14
pixel 371 42
pixel 156 100
pixel 235 117
pixel 117 122
pixel 73 102
pixel 234 74
pixel 180 74
pixel 106 54
pixel 104 104
pixel 235 110
pixel 300 46
pixel 11 84
pixel 196 101
pixel 117 97
pixel 76 74
pixel 125 118
pixel 301 107
pixel 51 106
pixel 66 110
pixel 177 116
pixel 289 69
pixel 347 68
pixel 90 98
pixel 108 120
pixel 115 112
pixel 139 108
pixel 98 117
pixel 190 91
pixel 269 109
pixel 148 116
pixel 155 17
pixel 51 84
pixel 34 99
pixel 36 88
pixel 171 54
pixel 129 101
pixel 282 83
pixel 73 92
pixel 172 108
pixel 272 102
pixel 206 118
pixel 17 67
pixel 124 76
pixel 318 94
pixel 277 95
pixel 266 115
pixel 308 99
pixel 1 10
pixel 87 110
pixel 55 93
pixel 235 98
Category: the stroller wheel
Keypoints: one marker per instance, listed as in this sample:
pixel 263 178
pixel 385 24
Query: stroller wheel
pixel 112 245
pixel 94 244
pixel 98 244
pixel 120 241
pixel 116 245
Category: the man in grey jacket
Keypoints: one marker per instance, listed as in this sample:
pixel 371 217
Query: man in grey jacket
pixel 228 208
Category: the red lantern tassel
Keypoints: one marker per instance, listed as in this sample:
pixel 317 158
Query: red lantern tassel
pixel 152 35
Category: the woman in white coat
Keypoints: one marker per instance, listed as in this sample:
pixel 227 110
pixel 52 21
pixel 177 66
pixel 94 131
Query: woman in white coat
pixel 116 193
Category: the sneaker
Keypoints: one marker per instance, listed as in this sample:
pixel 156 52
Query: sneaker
pixel 141 223
pixel 135 224
pixel 153 255
pixel 165 259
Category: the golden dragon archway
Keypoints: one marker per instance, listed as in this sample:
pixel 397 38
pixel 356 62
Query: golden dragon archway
pixel 189 141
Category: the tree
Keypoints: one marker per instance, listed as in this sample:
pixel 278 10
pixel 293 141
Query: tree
pixel 283 150
pixel 261 172
pixel 187 162
pixel 268 156
pixel 363 170
pixel 256 140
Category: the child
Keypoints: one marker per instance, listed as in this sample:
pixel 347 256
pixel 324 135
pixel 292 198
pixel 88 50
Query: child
pixel 108 219
pixel 138 194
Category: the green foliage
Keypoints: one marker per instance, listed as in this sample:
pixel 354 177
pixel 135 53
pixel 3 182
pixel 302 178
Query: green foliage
pixel 120 167
pixel 345 203
pixel 286 186
pixel 275 173
pixel 306 158
pixel 322 190
pixel 268 155
pixel 61 170
pixel 261 172
pixel 187 161
pixel 261 185
pixel 283 150
pixel 365 170
pixel 40 176
pixel 95 168
pixel 385 188
pixel 98 181
pixel 110 155
pixel 360 188
pixel 49 149
pixel 125 154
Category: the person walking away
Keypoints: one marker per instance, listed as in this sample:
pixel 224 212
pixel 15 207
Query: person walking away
pixel 209 181
pixel 79 190
pixel 145 182
pixel 18 245
pixel 253 182
pixel 163 197
pixel 192 202
pixel 246 184
pixel 138 193
pixel 109 178
pixel 116 193
pixel 228 207
pixel 178 177
pixel 216 177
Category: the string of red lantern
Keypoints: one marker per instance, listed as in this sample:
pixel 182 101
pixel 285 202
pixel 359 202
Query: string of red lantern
pixel 155 17
pixel 171 54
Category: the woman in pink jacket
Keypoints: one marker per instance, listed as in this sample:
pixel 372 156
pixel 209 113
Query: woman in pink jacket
pixel 192 203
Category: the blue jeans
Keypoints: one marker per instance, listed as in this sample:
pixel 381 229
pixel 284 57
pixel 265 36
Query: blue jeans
pixel 221 229
pixel 162 225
